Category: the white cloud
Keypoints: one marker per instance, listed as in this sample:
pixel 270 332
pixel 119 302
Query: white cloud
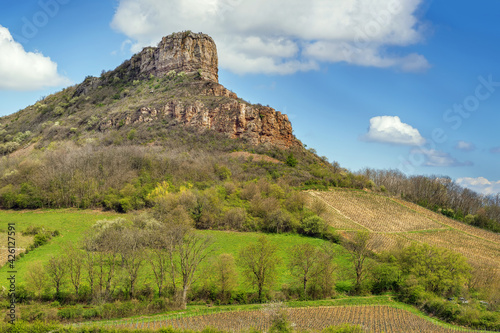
pixel 465 146
pixel 436 158
pixel 389 129
pixel 283 36
pixel 480 185
pixel 21 70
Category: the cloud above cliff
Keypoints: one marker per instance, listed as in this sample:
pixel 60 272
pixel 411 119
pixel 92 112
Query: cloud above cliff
pixel 284 36
pixel 389 129
pixel 21 70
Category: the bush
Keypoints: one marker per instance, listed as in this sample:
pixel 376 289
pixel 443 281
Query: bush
pixel 70 313
pixel 313 226
pixel 291 161
pixel 40 239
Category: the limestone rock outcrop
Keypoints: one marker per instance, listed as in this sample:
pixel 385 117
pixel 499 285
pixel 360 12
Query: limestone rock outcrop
pixel 180 52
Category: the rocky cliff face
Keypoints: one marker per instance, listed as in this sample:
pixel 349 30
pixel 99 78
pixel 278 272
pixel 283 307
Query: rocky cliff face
pixel 255 123
pixel 210 105
pixel 180 52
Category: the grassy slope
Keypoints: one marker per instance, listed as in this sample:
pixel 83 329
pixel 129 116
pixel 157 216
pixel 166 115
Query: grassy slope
pixel 72 224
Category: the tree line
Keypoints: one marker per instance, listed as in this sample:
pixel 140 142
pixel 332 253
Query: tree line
pixel 115 254
pixel 442 194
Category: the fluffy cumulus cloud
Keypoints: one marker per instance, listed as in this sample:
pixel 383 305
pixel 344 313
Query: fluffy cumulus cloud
pixel 21 70
pixel 480 185
pixel 437 158
pixel 465 146
pixel 284 36
pixel 389 129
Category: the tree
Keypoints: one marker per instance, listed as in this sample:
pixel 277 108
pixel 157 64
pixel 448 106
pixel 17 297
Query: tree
pixel 303 261
pixel 158 258
pixel 56 270
pixel 323 273
pixel 132 253
pixel 438 270
pixel 225 273
pixel 259 261
pixel 103 244
pixel 359 250
pixel 74 261
pixel 36 278
pixel 192 250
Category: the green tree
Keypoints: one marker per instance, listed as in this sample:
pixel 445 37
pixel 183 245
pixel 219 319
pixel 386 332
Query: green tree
pixel 226 276
pixel 291 161
pixel 36 278
pixel 437 269
pixel 259 261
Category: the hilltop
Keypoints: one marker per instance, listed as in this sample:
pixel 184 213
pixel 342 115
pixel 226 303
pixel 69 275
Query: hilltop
pixel 175 83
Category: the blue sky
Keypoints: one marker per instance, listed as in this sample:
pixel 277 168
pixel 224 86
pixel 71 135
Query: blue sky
pixel 409 84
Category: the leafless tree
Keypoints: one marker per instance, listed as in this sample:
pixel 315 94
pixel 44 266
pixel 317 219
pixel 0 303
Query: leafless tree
pixel 359 250
pixel 259 261
pixel 74 261
pixel 303 261
pixel 56 270
pixel 192 250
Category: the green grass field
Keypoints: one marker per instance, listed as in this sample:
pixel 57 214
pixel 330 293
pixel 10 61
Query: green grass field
pixel 73 223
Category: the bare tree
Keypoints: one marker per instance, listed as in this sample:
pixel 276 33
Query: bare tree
pixel 158 258
pixel 56 270
pixel 132 253
pixel 359 250
pixel 74 261
pixel 103 245
pixel 89 261
pixel 192 250
pixel 259 261
pixel 303 260
pixel 323 273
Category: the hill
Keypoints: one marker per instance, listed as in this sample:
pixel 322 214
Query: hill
pixel 160 116
pixel 395 223
pixel 173 84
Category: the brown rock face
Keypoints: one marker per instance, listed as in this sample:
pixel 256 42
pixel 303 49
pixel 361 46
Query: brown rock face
pixel 257 124
pixel 181 52
pixel 209 105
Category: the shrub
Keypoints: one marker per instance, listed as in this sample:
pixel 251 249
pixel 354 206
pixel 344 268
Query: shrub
pixel 313 226
pixel 70 313
pixel 291 161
